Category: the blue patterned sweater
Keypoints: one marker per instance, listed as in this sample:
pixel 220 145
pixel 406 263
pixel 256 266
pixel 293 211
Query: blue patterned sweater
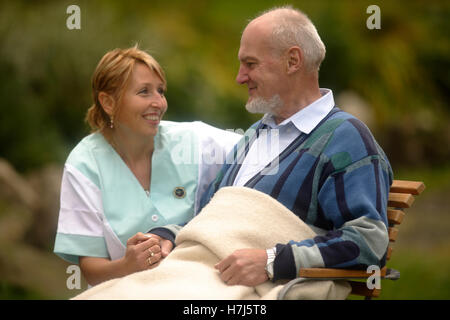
pixel 336 179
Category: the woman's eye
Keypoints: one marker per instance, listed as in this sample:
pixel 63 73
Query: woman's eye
pixel 143 91
pixel 161 91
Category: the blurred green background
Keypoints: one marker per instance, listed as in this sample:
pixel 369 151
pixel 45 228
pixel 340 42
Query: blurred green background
pixel 396 79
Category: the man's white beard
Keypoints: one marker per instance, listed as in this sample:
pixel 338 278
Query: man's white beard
pixel 261 105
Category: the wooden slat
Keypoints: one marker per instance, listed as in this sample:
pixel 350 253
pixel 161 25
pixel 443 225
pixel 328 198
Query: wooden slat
pixel 395 216
pixel 411 187
pixel 393 232
pixel 400 200
pixel 360 288
pixel 336 273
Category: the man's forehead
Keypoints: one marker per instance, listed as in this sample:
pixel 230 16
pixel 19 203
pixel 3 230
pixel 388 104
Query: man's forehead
pixel 254 46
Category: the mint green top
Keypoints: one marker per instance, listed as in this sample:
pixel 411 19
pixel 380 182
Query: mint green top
pixel 103 204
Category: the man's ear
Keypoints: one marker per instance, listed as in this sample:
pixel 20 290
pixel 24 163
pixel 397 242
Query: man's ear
pixel 294 59
pixel 107 102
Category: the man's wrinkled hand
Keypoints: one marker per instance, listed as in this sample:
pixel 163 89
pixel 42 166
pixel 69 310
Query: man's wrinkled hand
pixel 244 267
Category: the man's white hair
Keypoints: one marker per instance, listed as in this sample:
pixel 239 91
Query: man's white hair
pixel 292 27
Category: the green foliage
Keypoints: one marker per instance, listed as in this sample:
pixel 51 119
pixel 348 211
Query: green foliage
pixel 10 291
pixel 423 275
pixel 400 71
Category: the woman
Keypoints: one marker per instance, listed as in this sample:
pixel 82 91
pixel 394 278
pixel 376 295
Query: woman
pixel 134 173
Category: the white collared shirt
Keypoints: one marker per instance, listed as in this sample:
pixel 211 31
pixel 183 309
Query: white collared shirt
pixel 272 142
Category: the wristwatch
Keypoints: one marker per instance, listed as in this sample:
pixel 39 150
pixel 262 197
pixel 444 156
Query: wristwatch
pixel 271 254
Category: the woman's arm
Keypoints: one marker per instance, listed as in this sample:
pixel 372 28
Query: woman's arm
pixel 143 252
pixel 97 270
pixel 214 146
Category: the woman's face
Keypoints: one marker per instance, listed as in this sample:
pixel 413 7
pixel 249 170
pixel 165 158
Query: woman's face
pixel 143 103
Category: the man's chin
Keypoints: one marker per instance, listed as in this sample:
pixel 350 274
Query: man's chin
pixel 250 108
pixel 262 106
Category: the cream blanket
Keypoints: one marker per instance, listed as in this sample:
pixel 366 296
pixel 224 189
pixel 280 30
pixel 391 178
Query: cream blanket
pixel 235 218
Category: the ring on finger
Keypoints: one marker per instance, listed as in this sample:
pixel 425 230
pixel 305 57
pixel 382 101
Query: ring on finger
pixel 149 260
pixel 151 253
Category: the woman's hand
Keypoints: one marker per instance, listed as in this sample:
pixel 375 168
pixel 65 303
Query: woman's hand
pixel 165 245
pixel 143 252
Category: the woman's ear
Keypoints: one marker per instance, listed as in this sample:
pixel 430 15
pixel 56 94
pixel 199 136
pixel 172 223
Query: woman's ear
pixel 294 59
pixel 107 102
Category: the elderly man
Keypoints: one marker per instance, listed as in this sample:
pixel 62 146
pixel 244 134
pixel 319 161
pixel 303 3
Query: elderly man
pixel 326 167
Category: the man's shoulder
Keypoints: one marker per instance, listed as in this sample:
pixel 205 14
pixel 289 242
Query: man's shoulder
pixel 352 137
pixel 336 123
pixel 345 124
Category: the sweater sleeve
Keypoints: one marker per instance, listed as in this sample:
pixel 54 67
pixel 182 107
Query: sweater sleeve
pixel 214 145
pixel 168 232
pixel 352 203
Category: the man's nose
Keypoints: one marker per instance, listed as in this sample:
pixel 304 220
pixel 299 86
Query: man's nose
pixel 242 76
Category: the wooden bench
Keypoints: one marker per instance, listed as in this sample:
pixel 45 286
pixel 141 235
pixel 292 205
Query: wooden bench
pixel 401 197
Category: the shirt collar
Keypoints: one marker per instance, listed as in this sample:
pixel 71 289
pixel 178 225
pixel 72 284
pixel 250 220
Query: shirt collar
pixel 309 117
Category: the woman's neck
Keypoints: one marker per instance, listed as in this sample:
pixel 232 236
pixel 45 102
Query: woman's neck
pixel 132 148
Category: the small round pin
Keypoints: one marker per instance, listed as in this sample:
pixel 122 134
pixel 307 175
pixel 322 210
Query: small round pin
pixel 179 192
